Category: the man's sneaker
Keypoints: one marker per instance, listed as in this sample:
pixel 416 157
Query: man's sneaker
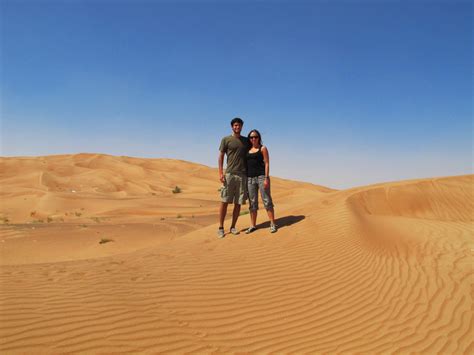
pixel 273 228
pixel 220 233
pixel 234 231
pixel 251 229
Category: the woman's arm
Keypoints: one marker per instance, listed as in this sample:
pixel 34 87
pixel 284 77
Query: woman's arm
pixel 266 159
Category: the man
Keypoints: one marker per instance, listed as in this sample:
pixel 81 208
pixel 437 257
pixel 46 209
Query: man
pixel 234 189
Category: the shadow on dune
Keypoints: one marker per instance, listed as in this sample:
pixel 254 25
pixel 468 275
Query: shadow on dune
pixel 282 221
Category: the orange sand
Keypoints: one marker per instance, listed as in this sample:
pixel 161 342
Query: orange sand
pixel 375 269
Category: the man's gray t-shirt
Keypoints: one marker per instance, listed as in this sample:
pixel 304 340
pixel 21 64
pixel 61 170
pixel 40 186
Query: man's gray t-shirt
pixel 236 151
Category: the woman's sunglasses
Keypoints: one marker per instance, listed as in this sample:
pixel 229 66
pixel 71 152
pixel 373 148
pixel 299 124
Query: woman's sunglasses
pixel 252 137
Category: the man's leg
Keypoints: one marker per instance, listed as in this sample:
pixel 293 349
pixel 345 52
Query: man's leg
pixel 222 213
pixel 235 215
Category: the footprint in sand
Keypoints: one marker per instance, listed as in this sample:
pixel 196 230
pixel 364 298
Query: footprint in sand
pixel 200 334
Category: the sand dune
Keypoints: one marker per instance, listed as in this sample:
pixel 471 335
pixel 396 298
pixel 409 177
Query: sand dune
pixel 386 268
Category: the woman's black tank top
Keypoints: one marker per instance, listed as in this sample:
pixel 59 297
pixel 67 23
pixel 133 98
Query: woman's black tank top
pixel 255 163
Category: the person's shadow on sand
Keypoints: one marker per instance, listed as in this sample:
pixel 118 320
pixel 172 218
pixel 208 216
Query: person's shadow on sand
pixel 282 222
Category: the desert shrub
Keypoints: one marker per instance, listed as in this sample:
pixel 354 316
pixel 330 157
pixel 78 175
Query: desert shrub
pixel 49 219
pixel 105 240
pixel 176 190
pixel 244 212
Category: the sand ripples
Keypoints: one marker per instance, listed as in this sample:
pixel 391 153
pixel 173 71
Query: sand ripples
pixel 347 276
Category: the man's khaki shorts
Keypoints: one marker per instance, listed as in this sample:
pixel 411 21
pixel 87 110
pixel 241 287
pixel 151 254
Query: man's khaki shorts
pixel 234 189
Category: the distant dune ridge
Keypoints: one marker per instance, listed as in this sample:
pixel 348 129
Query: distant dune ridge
pixel 98 254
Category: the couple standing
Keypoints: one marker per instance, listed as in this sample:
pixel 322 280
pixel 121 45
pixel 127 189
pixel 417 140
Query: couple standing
pixel 247 172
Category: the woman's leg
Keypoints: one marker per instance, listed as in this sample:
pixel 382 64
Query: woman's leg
pixel 253 218
pixel 271 215
pixel 253 200
pixel 267 199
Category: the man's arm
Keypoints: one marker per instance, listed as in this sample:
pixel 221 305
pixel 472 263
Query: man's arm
pixel 220 164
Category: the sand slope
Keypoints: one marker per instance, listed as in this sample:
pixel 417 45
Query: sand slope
pixel 386 268
pixel 87 197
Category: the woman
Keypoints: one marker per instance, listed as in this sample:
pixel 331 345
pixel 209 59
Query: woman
pixel 258 169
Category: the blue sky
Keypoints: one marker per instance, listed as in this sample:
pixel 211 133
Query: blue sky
pixel 345 93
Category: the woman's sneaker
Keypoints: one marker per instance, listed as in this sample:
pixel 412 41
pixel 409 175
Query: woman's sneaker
pixel 234 231
pixel 273 228
pixel 251 229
